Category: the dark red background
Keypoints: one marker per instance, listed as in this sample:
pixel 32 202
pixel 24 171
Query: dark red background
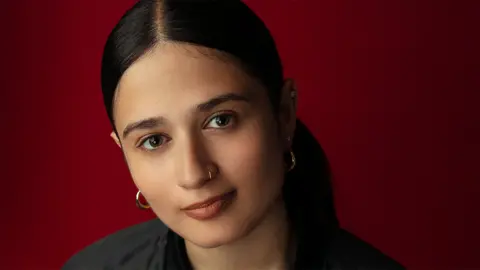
pixel 390 88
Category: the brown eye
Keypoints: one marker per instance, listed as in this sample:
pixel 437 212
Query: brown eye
pixel 153 142
pixel 220 121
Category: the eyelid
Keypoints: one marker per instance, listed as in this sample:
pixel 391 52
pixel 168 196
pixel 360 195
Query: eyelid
pixel 224 112
pixel 143 139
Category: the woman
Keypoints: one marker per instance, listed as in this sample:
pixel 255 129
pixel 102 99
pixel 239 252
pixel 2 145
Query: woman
pixel 206 122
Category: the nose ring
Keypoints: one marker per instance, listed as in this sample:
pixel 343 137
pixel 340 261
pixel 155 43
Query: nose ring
pixel 212 172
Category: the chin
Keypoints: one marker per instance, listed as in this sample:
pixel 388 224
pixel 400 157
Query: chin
pixel 214 233
pixel 212 236
pixel 209 243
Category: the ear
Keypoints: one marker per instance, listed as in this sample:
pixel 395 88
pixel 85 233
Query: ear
pixel 115 138
pixel 288 111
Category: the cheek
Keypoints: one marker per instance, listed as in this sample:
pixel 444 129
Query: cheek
pixel 154 177
pixel 252 161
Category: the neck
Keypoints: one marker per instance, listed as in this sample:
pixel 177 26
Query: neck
pixel 268 246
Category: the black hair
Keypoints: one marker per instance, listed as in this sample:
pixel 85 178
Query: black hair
pixel 232 28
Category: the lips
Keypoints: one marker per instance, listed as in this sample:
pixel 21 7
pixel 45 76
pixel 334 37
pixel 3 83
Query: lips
pixel 211 207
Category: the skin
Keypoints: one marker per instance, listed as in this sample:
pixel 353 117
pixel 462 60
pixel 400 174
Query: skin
pixel 169 158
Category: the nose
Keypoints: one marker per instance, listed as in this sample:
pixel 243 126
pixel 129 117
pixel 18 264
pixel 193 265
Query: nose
pixel 195 164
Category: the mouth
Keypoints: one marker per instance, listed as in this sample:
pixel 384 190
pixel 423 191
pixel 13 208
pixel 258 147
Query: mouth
pixel 211 207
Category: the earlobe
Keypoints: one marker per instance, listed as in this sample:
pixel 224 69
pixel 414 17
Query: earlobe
pixel 115 139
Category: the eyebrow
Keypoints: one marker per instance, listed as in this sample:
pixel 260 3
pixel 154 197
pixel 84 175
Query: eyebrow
pixel 148 123
pixel 212 103
pixel 153 122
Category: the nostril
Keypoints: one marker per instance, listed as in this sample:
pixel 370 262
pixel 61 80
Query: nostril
pixel 197 178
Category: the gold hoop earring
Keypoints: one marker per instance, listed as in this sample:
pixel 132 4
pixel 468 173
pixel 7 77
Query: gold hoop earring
pixel 293 94
pixel 141 205
pixel 294 161
pixel 292 156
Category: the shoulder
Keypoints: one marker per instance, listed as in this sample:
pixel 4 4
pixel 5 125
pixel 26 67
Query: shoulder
pixel 134 245
pixel 347 251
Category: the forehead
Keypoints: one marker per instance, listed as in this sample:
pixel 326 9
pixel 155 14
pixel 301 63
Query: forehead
pixel 175 77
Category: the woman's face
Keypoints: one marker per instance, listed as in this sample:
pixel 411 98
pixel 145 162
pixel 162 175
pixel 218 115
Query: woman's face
pixel 180 113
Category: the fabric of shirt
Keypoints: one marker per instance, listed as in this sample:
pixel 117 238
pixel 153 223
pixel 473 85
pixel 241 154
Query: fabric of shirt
pixel 153 246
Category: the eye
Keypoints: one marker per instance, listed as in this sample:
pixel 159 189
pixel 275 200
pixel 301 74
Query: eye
pixel 153 142
pixel 220 121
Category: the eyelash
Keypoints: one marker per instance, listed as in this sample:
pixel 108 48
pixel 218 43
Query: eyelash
pixel 143 141
pixel 229 114
pixel 231 117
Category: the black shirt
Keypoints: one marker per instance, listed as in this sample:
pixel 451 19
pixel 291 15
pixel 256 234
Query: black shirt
pixel 176 254
pixel 152 246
